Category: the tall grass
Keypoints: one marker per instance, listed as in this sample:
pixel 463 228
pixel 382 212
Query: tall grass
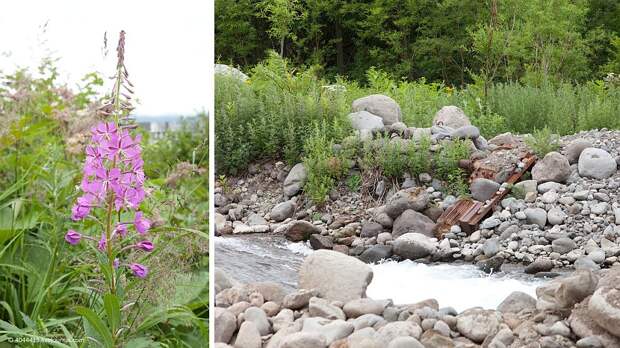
pixel 271 114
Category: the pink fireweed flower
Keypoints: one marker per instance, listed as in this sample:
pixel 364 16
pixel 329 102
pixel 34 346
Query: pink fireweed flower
pixel 103 131
pixel 121 229
pixel 121 145
pixel 82 208
pixel 116 263
pixel 102 245
pixel 94 160
pixel 139 270
pixel 145 245
pixel 142 225
pixel 72 237
pixel 128 197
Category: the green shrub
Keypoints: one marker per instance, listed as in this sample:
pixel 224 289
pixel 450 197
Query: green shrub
pixel 446 166
pixel 419 157
pixel 271 115
pixel 543 141
pixel 322 166
pixel 354 182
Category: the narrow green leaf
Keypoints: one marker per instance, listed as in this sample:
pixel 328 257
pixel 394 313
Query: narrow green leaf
pixel 97 324
pixel 113 310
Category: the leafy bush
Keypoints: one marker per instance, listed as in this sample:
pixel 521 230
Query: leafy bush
pixel 323 165
pixel 543 141
pixel 272 114
pixel 446 166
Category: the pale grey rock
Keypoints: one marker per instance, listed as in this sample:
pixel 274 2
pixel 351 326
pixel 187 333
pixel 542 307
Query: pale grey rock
pixel 259 318
pixel 596 163
pixel 451 116
pixel 365 120
pixel 248 336
pixel 295 180
pixel 414 246
pixel 477 324
pixel 516 302
pixel 335 276
pixel 282 211
pixel 303 340
pixel 536 216
pixel 225 325
pixel 379 105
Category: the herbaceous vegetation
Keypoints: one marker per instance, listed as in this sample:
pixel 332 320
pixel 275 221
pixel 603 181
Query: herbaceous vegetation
pixel 522 66
pixel 92 211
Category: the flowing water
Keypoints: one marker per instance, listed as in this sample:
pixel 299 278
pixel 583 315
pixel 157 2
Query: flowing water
pixel 252 258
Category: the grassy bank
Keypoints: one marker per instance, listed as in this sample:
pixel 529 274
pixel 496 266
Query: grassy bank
pixel 43 279
pixel 272 114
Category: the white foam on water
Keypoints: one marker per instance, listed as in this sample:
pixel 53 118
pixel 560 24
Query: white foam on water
pixel 457 286
pixel 299 248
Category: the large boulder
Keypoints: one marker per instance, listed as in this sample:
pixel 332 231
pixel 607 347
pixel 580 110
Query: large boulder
pixel 364 120
pixel 553 167
pixel 412 221
pixel 335 276
pixel 414 198
pixel 561 294
pixel 380 105
pixel 376 253
pixel 483 189
pixel 414 246
pixel 300 230
pixel 225 325
pixel 259 318
pixel 604 307
pixel 223 69
pixel 583 325
pixel 596 163
pixel 295 180
pixel 478 324
pixel 248 336
pixel 451 116
pixel 516 302
pixel 282 211
pixel 575 148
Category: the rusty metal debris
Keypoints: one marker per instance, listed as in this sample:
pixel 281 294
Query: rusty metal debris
pixel 468 213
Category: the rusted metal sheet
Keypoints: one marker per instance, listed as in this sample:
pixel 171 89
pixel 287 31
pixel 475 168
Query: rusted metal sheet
pixel 468 213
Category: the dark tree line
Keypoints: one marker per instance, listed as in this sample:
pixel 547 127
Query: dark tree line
pixel 453 41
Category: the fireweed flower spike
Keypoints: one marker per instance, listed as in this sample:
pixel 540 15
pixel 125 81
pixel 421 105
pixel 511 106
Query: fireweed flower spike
pixel 112 186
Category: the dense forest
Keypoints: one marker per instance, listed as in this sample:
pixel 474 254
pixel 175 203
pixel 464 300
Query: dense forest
pixel 451 41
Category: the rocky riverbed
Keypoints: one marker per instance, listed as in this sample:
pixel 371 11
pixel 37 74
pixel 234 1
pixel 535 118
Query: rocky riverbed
pixel 330 309
pixel 571 222
pixel 563 216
